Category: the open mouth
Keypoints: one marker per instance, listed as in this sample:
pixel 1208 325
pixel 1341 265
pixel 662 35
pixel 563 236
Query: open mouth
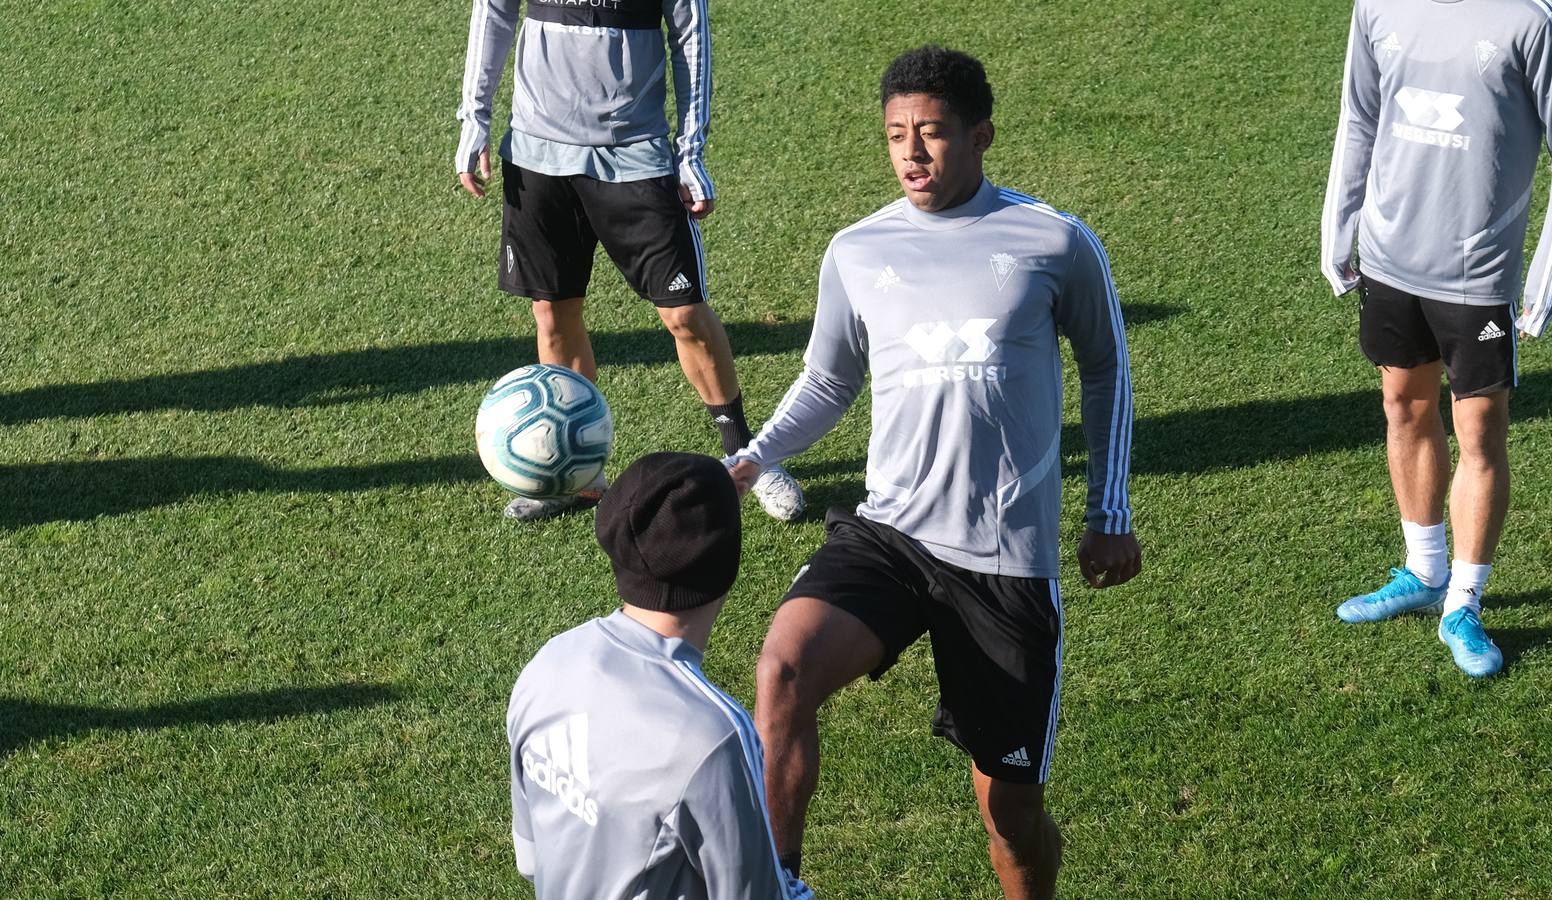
pixel 917 181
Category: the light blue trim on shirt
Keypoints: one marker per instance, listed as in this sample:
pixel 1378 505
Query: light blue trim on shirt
pixel 651 158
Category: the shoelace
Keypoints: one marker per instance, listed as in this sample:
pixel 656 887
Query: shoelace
pixel 1468 628
pixel 1394 588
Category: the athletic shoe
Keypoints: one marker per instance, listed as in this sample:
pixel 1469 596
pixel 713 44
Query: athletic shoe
pixel 1474 652
pixel 778 493
pixel 526 509
pixel 1405 593
pixel 796 888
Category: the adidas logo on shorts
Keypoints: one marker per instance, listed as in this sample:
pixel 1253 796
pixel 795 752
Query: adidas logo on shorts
pixel 1491 332
pixel 680 283
pixel 1019 757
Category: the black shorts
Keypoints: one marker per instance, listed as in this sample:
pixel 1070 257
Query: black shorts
pixel 996 639
pixel 550 226
pixel 1403 330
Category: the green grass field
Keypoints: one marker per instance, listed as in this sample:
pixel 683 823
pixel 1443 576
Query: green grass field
pixel 259 613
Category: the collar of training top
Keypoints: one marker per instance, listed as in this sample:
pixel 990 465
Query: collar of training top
pixel 983 201
pixel 638 637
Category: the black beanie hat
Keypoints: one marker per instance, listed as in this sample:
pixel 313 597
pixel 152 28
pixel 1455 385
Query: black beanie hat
pixel 670 525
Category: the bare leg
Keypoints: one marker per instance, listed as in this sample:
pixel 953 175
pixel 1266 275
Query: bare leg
pixel 562 336
pixel 1024 842
pixel 704 352
pixel 1415 445
pixel 812 650
pixel 1479 497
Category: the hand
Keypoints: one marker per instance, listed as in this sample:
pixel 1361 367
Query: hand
pixel 475 184
pixel 1107 560
pixel 744 472
pixel 698 209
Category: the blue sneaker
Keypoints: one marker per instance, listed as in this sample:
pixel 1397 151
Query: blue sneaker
pixel 1474 652
pixel 1405 593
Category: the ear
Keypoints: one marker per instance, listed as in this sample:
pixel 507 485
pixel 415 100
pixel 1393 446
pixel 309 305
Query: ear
pixel 981 135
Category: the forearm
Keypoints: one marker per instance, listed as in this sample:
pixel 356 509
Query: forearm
pixel 492 27
pixel 811 407
pixel 689 40
pixel 1107 430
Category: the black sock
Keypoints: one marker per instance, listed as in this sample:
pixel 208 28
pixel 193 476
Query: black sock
pixel 729 419
pixel 791 861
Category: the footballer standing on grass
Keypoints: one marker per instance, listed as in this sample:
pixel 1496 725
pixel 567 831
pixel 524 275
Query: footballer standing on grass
pixel 587 160
pixel 1445 107
pixel 953 297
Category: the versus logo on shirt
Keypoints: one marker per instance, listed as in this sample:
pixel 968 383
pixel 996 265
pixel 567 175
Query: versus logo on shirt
pixel 963 343
pixel 555 760
pixel 1432 118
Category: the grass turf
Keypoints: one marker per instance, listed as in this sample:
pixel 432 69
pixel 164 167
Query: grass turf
pixel 258 615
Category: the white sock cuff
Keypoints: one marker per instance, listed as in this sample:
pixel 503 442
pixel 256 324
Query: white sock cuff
pixel 1469 575
pixel 1429 533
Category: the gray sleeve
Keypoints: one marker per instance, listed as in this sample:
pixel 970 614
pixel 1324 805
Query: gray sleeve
pixel 689 43
pixel 1088 312
pixel 1538 286
pixel 522 827
pixel 492 26
pixel 1348 182
pixel 723 826
pixel 835 367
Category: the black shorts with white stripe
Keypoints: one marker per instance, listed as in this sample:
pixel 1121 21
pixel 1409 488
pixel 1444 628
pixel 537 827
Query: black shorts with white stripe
pixel 996 639
pixel 1402 330
pixel 552 224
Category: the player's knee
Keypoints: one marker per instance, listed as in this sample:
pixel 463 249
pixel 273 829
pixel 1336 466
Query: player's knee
pixel 779 688
pixel 1409 411
pixel 689 322
pixel 556 318
pixel 1016 817
pixel 1482 428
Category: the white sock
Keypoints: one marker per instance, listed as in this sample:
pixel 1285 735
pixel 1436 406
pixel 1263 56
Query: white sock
pixel 1427 556
pixel 1466 583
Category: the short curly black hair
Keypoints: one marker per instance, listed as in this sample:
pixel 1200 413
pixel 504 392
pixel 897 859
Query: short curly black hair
pixel 958 79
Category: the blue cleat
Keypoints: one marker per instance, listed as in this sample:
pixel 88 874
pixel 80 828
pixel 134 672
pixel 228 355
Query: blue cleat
pixel 1474 652
pixel 1405 593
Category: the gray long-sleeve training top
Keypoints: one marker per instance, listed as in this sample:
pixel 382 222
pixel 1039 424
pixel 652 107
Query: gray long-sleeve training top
pixel 956 313
pixel 593 74
pixel 634 777
pixel 1445 107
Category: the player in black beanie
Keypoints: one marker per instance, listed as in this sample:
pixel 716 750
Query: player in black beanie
pixel 670 526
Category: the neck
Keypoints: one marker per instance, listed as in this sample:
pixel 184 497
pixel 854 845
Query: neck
pixel 693 626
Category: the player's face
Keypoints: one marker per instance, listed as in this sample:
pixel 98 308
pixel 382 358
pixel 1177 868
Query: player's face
pixel 936 156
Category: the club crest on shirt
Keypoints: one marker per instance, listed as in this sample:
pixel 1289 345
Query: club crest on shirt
pixel 1003 265
pixel 1487 51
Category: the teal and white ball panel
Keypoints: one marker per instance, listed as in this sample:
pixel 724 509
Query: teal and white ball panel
pixel 544 431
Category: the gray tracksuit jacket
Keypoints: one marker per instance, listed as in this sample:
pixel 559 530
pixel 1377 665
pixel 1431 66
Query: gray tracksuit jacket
pixel 634 777
pixel 956 314
pixel 1445 107
pixel 592 73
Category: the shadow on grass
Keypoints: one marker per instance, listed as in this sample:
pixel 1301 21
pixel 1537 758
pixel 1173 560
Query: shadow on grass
pixel 1516 642
pixel 328 379
pixel 1542 597
pixel 69 491
pixel 23 721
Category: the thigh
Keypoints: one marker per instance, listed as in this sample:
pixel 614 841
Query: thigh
pixel 1478 346
pixel 653 241
pixel 997 646
pixel 547 243
pixel 863 571
pixel 1392 330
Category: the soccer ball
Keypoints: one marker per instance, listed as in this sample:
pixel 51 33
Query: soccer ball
pixel 543 431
